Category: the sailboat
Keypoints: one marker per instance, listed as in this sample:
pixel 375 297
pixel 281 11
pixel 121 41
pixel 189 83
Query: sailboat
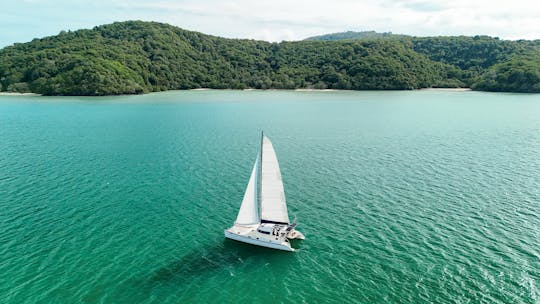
pixel 271 226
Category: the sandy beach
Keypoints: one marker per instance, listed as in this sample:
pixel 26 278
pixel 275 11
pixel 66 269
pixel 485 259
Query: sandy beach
pixel 18 94
pixel 447 89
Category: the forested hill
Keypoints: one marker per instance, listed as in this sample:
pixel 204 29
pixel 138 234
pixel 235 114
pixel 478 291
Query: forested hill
pixel 355 35
pixel 485 63
pixel 137 57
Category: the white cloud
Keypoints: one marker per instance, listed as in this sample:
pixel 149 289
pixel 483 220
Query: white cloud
pixel 284 19
pixel 290 20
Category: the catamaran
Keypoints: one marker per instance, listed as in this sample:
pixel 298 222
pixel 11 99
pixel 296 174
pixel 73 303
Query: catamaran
pixel 271 226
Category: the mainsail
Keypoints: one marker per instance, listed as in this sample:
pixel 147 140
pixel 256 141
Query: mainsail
pixel 273 205
pixel 249 210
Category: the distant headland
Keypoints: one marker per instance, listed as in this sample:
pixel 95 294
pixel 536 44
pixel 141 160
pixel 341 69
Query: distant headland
pixel 136 57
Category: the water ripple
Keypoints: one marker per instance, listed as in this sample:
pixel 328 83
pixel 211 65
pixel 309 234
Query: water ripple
pixel 125 200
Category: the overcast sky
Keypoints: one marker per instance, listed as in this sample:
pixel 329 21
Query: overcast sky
pixel 276 20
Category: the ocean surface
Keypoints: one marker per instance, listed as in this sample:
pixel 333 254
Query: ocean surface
pixel 404 197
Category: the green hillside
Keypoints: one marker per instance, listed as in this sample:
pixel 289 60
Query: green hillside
pixel 350 35
pixel 478 58
pixel 136 57
pixel 520 74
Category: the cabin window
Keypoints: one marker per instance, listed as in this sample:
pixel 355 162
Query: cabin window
pixel 265 232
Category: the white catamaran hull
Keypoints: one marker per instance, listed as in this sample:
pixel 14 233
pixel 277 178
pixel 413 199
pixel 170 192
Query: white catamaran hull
pixel 251 238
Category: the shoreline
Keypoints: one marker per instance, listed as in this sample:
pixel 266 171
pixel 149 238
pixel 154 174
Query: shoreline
pixel 18 94
pixel 247 90
pixel 324 90
pixel 446 89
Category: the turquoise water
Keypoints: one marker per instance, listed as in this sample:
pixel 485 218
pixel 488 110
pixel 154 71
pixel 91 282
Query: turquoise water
pixel 404 197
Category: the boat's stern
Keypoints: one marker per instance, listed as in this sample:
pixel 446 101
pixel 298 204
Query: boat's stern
pixel 295 235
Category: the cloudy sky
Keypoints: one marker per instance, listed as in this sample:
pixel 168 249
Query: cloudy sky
pixel 276 20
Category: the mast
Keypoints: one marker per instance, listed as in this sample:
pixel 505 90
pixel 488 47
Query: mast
pixel 259 180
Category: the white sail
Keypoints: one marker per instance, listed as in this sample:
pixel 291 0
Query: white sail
pixel 273 205
pixel 249 211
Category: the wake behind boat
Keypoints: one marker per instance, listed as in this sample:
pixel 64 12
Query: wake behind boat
pixel 271 226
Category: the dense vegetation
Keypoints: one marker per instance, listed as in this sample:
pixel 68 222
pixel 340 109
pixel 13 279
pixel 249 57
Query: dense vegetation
pixel 137 57
pixel 482 62
pixel 520 74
